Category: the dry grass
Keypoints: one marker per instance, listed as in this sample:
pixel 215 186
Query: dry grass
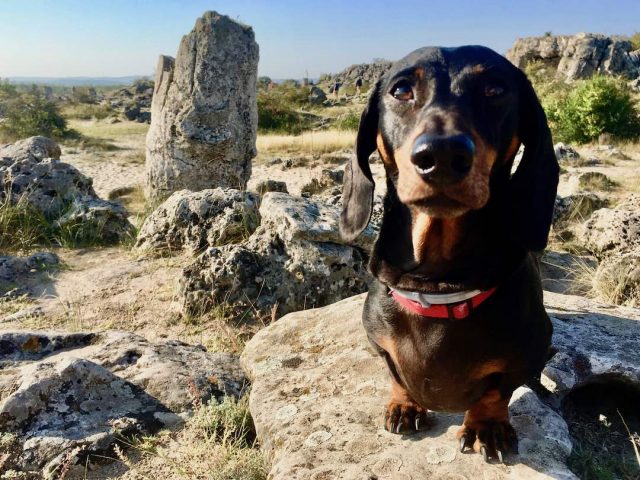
pixel 319 142
pixel 217 443
pixel 109 131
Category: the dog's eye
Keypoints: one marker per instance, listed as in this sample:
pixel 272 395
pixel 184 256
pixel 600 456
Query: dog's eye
pixel 402 91
pixel 493 90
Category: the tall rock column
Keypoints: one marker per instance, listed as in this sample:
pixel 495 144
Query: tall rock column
pixel 204 116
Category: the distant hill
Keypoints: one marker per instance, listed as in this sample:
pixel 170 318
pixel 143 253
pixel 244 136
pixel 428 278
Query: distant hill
pixel 77 81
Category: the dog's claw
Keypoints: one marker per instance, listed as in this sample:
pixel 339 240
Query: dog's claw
pixel 485 455
pixel 402 418
pixel 463 444
pixel 492 440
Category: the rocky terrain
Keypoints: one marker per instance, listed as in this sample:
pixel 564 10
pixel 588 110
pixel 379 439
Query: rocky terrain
pixel 319 393
pixel 579 56
pixel 369 72
pixel 135 359
pixel 133 103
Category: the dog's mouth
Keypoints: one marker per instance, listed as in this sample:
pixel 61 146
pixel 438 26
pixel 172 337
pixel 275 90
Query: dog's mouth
pixel 441 205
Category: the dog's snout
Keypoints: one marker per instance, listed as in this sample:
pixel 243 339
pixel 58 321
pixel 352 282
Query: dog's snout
pixel 443 160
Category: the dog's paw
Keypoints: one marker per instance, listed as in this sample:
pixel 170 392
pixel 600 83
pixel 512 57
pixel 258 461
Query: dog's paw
pixel 406 418
pixel 491 439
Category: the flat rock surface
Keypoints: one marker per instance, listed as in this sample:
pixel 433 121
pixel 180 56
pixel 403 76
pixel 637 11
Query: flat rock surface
pixel 319 393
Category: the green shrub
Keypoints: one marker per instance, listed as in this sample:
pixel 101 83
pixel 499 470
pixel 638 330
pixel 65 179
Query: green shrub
pixel 582 111
pixel 226 422
pixel 278 109
pixel 23 228
pixel 29 114
pixel 635 40
pixel 348 121
pixel 595 106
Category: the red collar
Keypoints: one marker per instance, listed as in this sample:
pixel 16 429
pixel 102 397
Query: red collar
pixel 452 311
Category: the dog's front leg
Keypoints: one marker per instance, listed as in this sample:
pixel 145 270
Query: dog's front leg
pixel 403 414
pixel 486 427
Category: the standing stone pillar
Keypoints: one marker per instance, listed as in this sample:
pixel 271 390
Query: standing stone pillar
pixel 204 116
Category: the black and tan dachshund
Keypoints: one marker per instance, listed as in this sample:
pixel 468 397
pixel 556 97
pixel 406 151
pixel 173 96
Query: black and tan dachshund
pixel 456 306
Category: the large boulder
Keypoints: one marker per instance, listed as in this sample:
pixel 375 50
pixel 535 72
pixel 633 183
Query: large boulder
pixel 317 96
pixel 31 172
pixel 195 220
pixel 576 207
pixel 31 169
pixel 67 397
pixel 204 114
pixel 318 396
pixel 295 260
pixel 610 231
pixel 578 56
pixel 613 236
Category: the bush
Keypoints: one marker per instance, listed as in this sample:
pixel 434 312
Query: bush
pixel 586 109
pixel 635 40
pixel 349 121
pixel 596 106
pixel 278 109
pixel 29 114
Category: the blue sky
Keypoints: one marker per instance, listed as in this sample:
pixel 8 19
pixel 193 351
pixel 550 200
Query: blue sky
pixel 124 37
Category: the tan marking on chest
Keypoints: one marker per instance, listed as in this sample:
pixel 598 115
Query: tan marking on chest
pixel 434 239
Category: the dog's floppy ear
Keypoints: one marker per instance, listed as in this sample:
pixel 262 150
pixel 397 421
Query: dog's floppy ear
pixel 533 186
pixel 357 191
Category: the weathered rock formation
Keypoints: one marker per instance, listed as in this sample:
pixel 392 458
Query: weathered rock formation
pixel 319 392
pixel 67 396
pixel 612 231
pixel 204 114
pixel 31 172
pixel 579 56
pixel 193 221
pixel 133 103
pixel 613 236
pixel 294 260
pixel 369 72
pixel 317 96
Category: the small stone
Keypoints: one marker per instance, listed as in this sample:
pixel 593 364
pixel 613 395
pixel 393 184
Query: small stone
pixel 316 438
pixel 286 413
pixel 440 454
pixel 386 466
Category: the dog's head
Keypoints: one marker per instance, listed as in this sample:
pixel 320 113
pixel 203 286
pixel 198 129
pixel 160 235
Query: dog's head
pixel 448 123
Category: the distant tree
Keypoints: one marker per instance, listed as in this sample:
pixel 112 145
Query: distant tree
pixel 548 33
pixel 264 82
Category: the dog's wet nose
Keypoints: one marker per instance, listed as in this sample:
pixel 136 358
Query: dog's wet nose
pixel 443 160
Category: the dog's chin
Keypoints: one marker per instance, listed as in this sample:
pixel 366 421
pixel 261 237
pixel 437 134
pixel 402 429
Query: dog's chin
pixel 441 206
